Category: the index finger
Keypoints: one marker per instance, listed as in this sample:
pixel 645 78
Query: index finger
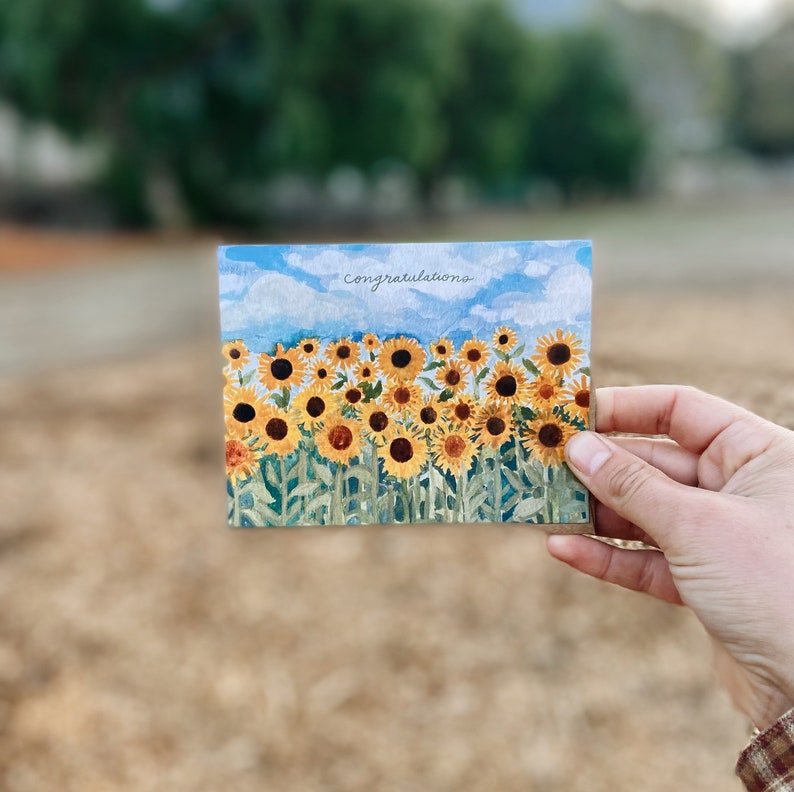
pixel 690 417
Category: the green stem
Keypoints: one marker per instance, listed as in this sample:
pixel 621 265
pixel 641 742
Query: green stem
pixel 462 487
pixel 430 503
pixel 282 471
pixel 548 495
pixel 406 500
pixel 337 506
pixel 497 488
pixel 417 499
pixel 375 486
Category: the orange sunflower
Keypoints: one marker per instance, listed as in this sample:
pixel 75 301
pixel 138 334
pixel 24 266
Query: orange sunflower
pixel 339 439
pixel 312 405
pixel 279 432
pixel 243 408
pixel 370 342
pixel 284 368
pixel 322 375
pixel 429 414
pixel 545 437
pixel 352 396
pixel 558 354
pixel 453 450
pixel 504 339
pixel 309 348
pixel 405 454
pixel 401 358
pixel 545 392
pixel 474 354
pixel 343 353
pixel 236 353
pixel 576 399
pixel 242 459
pixel 442 349
pixel 403 396
pixel 494 425
pixel 378 421
pixel 507 383
pixel 453 376
pixel 462 410
pixel 367 371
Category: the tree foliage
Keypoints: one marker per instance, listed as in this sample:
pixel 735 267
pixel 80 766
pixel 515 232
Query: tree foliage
pixel 217 96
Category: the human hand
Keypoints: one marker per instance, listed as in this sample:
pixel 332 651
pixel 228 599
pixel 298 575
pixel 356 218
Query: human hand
pixel 716 500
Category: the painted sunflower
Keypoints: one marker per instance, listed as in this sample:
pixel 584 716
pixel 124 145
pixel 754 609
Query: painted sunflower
pixel 504 339
pixel 507 383
pixel 494 425
pixel 545 437
pixel 322 375
pixel 237 354
pixel 453 451
pixel 370 342
pixel 545 392
pixel 352 396
pixel 429 414
pixel 343 353
pixel 309 348
pixel 404 455
pixel 312 405
pixel 279 431
pixel 339 439
pixel 403 396
pixel 453 376
pixel 442 349
pixel 242 459
pixel 367 371
pixel 282 369
pixel 461 410
pixel 378 421
pixel 474 354
pixel 558 354
pixel 243 409
pixel 401 358
pixel 577 399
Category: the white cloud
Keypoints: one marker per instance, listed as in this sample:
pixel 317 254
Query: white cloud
pixel 535 268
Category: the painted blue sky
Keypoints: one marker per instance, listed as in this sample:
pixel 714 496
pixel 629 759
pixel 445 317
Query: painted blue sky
pixel 281 293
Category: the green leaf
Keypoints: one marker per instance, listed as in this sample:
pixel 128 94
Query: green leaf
pixel 305 490
pixel 518 352
pixel 430 384
pixel 530 367
pixel 528 507
pixel 247 378
pixel 260 492
pixel 377 390
pixel 285 396
pixel 323 473
pixel 585 370
pixel 502 355
pixel 338 384
pixel 434 364
pixel 446 395
pixel 482 375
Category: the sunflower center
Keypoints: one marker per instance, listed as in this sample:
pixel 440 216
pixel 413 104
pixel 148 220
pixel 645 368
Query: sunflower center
pixel 495 426
pixel 504 338
pixel 236 453
pixel 322 373
pixel 281 369
pixel 462 412
pixel 506 386
pixel 454 446
pixel 353 396
pixel 308 348
pixel 402 395
pixel 401 450
pixel 428 415
pixel 558 354
pixel 243 413
pixel 452 377
pixel 582 398
pixel 441 349
pixel 234 354
pixel 340 438
pixel 315 407
pixel 343 352
pixel 473 355
pixel 401 358
pixel 276 429
pixel 378 421
pixel 546 391
pixel 550 435
pixel 366 372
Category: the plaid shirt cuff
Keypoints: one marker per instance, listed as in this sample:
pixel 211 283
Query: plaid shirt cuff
pixel 767 764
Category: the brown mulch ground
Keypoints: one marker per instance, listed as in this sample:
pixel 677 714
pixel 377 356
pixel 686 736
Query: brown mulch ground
pixel 143 646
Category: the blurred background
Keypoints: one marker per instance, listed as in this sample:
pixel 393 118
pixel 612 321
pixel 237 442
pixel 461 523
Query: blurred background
pixel 143 645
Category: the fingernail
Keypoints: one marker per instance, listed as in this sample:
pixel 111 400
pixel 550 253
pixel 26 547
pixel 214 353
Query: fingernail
pixel 586 452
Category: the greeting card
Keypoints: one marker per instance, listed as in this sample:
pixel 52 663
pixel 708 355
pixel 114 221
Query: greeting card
pixel 405 383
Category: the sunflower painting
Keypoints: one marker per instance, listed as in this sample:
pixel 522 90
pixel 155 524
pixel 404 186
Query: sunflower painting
pixel 418 383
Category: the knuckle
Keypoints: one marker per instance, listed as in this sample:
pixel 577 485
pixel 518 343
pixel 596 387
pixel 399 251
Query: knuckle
pixel 627 481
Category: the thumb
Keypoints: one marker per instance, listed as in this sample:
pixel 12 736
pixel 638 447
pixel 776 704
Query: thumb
pixel 629 486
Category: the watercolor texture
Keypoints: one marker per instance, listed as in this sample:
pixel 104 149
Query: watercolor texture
pixel 405 383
